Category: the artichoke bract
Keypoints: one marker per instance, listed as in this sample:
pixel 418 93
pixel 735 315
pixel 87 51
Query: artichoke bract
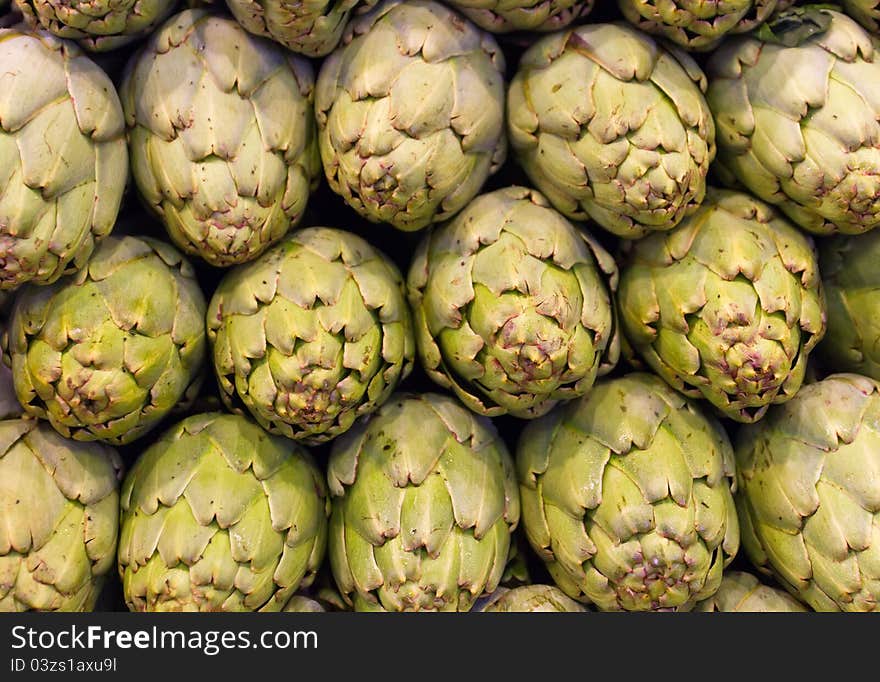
pixel 727 306
pixel 741 592
pixel 222 135
pixel 59 518
pixel 696 24
pixel 106 353
pixel 798 118
pixel 425 500
pixel 218 515
pixel 851 281
pixel 313 334
pixel 529 599
pixel 312 28
pixel 504 16
pixel 809 493
pixel 63 158
pixel 612 127
pixel 410 113
pixel 97 25
pixel 512 305
pixel 627 496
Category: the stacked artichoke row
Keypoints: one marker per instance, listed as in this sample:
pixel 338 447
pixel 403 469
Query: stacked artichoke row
pixel 410 305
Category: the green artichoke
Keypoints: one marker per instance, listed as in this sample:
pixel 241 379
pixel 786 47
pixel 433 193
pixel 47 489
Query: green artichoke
pixel 59 514
pixel 410 113
pixel 848 264
pixel 727 306
pixel 106 353
pixel 697 24
pixel 63 159
pixel 313 28
pixel 612 127
pixel 529 599
pixel 626 495
pixel 504 16
pixel 425 501
pixel 311 335
pixel 809 493
pixel 743 593
pixel 222 136
pixel 512 305
pixel 97 25
pixel 217 515
pixel 798 118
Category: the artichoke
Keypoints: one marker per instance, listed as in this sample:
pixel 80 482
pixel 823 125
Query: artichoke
pixel 59 513
pixel 97 25
pixel 311 335
pixel 529 599
pixel 626 495
pixel 63 158
pixel 512 305
pixel 313 28
pixel 798 118
pixel 612 127
pixel 696 24
pixel 217 515
pixel 848 264
pixel 809 493
pixel 727 306
pixel 222 135
pixel 106 353
pixel 743 593
pixel 425 501
pixel 410 113
pixel 504 16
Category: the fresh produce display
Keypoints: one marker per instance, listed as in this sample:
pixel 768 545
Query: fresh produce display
pixel 59 509
pixel 425 500
pixel 626 495
pixel 439 305
pixel 63 158
pixel 808 493
pixel 612 127
pixel 313 334
pixel 311 28
pixel 222 135
pixel 513 305
pixel 696 24
pixel 798 118
pixel 97 25
pixel 529 599
pixel 217 515
pixel 727 306
pixel 848 264
pixel 106 353
pixel 743 592
pixel 505 16
pixel 410 113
